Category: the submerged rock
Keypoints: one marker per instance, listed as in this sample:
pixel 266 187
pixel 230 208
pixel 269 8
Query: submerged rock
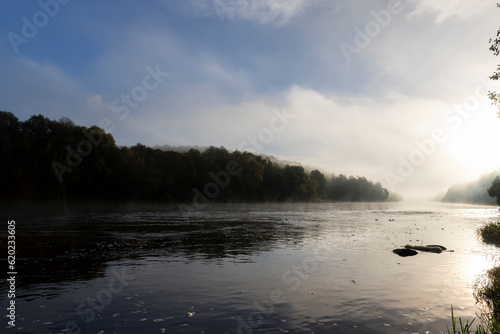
pixel 404 252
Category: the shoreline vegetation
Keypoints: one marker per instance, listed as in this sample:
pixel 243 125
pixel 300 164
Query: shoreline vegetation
pixel 45 159
pixel 490 233
pixel 486 293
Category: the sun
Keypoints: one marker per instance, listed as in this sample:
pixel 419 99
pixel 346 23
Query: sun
pixel 474 141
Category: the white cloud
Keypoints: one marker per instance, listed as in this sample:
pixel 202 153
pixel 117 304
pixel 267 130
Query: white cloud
pixel 278 12
pixel 445 9
pixel 260 11
pixel 434 61
pixel 368 136
pixel 95 103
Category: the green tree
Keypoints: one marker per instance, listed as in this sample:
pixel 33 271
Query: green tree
pixel 10 139
pixel 339 188
pixel 274 181
pixel 248 184
pixel 317 176
pixel 494 189
pixel 495 48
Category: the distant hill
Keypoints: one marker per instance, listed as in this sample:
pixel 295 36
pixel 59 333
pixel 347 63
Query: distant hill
pixel 275 160
pixel 180 149
pixel 474 192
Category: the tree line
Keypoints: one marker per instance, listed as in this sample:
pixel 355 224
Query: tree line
pixel 43 159
pixel 475 192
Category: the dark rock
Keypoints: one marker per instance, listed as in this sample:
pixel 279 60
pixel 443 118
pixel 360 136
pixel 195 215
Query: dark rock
pixel 404 252
pixel 429 248
pixel 438 246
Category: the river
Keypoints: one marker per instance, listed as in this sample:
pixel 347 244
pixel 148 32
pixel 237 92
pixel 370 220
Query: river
pixel 246 268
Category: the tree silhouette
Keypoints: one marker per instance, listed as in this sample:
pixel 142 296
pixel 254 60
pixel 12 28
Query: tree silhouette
pixel 44 159
pixel 495 48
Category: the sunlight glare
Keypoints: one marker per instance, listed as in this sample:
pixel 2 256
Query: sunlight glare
pixel 472 143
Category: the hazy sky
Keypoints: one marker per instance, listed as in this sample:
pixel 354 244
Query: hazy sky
pixel 394 91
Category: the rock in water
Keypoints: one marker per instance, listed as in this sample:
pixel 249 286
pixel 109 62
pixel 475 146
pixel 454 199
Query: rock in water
pixel 428 248
pixel 438 246
pixel 404 252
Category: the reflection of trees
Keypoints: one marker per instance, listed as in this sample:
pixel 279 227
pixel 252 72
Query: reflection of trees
pixel 58 258
pixel 79 246
pixel 231 238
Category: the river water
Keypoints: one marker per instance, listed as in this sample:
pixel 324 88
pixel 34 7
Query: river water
pixel 253 268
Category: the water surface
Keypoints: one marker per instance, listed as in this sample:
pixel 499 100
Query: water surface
pixel 297 268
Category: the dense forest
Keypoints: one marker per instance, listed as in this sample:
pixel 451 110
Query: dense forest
pixel 475 192
pixel 43 159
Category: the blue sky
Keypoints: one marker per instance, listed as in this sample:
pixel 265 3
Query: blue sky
pixel 233 64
